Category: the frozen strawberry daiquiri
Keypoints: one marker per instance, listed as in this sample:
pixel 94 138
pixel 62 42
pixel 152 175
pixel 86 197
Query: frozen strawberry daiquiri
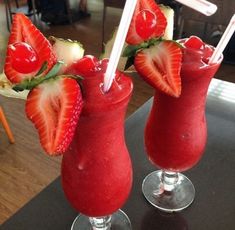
pixel 74 117
pixel 96 169
pixel 181 121
pixel 176 131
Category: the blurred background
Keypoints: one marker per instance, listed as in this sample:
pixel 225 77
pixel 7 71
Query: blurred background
pixel 92 22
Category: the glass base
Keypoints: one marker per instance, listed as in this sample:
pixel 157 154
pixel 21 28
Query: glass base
pixel 119 221
pixel 179 197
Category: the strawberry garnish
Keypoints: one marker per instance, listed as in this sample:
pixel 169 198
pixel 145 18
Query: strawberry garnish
pixel 146 9
pixel 23 30
pixel 54 107
pixel 160 65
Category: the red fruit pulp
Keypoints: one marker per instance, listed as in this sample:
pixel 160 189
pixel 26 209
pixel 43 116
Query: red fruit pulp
pixel 176 131
pixel 103 64
pixel 85 66
pixel 194 43
pixel 24 59
pixel 146 22
pixel 96 170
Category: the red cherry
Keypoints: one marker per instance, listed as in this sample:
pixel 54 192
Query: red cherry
pixel 194 43
pixel 24 59
pixel 145 24
pixel 85 66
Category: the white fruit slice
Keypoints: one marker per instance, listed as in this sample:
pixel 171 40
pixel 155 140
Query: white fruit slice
pixel 169 14
pixel 67 51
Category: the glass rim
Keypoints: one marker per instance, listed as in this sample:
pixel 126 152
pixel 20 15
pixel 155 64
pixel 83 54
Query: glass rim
pixel 180 41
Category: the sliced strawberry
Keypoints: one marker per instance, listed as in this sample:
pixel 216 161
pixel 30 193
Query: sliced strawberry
pixel 133 38
pixel 23 30
pixel 160 66
pixel 54 108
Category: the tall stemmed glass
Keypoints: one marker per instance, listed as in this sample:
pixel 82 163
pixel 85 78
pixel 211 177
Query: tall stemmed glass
pixel 176 134
pixel 96 170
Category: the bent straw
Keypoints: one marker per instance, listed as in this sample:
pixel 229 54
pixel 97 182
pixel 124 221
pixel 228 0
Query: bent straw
pixel 118 43
pixel 201 6
pixel 223 41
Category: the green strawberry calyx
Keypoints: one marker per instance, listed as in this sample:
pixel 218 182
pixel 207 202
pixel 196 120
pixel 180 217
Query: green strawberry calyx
pixel 131 50
pixel 29 84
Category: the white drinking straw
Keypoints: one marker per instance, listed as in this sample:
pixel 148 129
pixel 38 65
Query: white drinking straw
pixel 119 42
pixel 228 33
pixel 201 6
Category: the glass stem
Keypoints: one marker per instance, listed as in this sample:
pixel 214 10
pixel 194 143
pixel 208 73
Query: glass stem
pixel 100 223
pixel 168 182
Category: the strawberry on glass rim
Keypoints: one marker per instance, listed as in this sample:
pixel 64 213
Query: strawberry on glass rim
pixel 160 66
pixel 54 108
pixel 54 104
pixel 147 22
pixel 158 61
pixel 23 31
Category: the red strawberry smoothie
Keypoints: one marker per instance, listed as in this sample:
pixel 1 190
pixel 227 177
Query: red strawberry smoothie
pixel 176 131
pixel 96 169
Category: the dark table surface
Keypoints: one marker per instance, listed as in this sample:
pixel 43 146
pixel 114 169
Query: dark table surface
pixel 213 178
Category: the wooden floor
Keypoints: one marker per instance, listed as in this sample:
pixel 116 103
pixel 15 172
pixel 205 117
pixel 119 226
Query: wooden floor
pixel 24 169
